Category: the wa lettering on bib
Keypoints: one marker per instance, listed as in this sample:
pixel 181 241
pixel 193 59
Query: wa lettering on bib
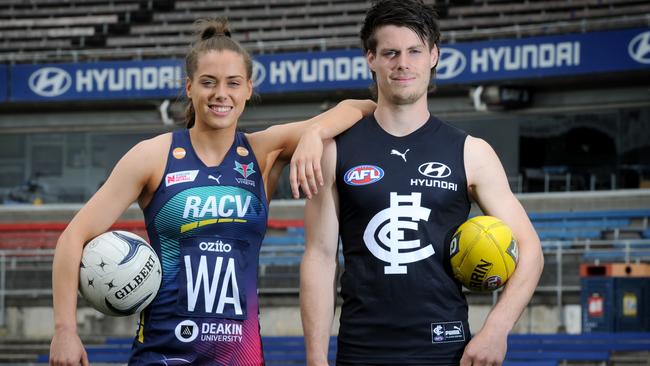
pixel 210 281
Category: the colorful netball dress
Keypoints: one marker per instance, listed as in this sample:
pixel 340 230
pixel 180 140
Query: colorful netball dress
pixel 206 224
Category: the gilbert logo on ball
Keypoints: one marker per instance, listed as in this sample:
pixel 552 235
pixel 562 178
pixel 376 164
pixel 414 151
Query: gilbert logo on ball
pixel 483 253
pixel 120 273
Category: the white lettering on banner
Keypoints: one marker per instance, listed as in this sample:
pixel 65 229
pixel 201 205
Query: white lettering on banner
pixel 530 56
pixel 318 70
pixel 128 78
pixel 224 208
pixel 209 285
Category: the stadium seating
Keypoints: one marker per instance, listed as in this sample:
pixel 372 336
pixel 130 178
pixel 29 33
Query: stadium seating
pixel 590 224
pixel 523 349
pixel 125 29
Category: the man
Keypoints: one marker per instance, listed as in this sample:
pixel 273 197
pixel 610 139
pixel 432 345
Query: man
pixel 396 187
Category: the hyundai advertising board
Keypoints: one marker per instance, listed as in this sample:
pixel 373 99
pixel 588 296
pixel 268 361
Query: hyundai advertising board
pixel 573 54
pixel 463 63
pixel 4 83
pixel 98 80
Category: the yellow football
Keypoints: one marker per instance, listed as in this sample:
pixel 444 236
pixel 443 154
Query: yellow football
pixel 483 253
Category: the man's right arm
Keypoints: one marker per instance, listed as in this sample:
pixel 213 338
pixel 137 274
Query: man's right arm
pixel 318 267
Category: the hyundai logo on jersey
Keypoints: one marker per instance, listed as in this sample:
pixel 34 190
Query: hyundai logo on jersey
pixel 363 174
pixel 434 170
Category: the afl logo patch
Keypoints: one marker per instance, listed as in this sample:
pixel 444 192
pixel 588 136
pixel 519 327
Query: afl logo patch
pixel 363 174
pixel 242 151
pixel 178 153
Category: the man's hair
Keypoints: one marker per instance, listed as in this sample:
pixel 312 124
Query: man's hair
pixel 415 15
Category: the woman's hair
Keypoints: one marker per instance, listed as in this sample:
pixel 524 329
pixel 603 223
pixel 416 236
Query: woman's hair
pixel 211 35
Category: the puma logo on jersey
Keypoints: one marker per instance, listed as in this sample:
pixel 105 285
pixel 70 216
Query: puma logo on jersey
pixel 402 155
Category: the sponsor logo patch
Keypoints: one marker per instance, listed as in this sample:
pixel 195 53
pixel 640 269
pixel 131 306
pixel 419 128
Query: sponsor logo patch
pixel 434 170
pixel 216 179
pixel 186 331
pixel 242 151
pixel 362 175
pixel 180 177
pixel 244 169
pixel 447 332
pixel 178 153
pixel 400 154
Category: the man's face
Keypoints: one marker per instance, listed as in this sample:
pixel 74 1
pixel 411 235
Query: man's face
pixel 402 64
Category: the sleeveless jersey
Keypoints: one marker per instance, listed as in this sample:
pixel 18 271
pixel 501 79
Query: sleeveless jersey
pixel 206 225
pixel 400 201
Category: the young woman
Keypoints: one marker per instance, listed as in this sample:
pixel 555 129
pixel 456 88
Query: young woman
pixel 206 183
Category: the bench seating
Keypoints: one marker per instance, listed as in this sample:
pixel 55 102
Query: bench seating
pixel 523 349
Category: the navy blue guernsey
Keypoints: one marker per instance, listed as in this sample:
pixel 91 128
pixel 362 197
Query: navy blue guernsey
pixel 400 201
pixel 206 225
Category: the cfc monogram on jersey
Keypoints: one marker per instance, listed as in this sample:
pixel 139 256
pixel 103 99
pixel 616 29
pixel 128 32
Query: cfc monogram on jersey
pixel 387 228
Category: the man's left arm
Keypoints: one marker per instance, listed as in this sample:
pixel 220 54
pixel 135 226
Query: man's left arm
pixel 488 186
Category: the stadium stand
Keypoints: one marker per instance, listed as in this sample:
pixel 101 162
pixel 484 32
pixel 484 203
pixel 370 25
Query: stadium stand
pixel 578 237
pixel 523 349
pixel 40 31
pixel 143 29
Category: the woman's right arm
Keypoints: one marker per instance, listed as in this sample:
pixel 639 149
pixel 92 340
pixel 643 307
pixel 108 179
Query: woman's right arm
pixel 132 176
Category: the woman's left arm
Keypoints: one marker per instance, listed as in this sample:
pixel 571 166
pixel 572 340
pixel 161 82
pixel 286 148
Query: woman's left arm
pixel 276 145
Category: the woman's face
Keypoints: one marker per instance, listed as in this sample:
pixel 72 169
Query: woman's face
pixel 219 89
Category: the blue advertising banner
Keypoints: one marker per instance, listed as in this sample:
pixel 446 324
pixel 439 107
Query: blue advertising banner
pixel 99 80
pixel 463 63
pixel 329 70
pixel 499 60
pixel 4 82
pixel 572 54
